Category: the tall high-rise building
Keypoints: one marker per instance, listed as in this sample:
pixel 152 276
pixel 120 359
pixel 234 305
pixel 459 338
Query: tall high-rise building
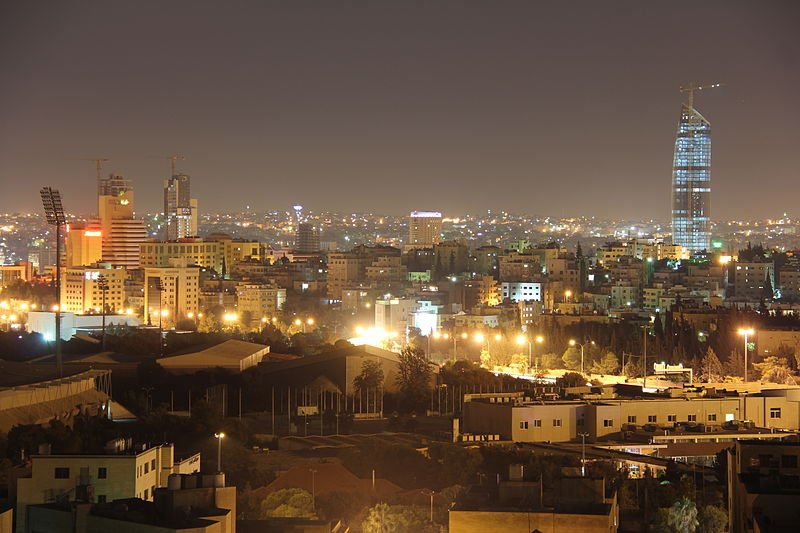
pixel 307 240
pixel 691 180
pixel 84 244
pixel 180 209
pixel 122 233
pixel 424 229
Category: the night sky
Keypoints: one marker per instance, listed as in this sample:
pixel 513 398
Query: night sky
pixel 560 108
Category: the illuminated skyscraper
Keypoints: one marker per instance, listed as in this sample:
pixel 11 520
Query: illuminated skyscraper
pixel 424 229
pixel 691 180
pixel 180 209
pixel 307 239
pixel 122 232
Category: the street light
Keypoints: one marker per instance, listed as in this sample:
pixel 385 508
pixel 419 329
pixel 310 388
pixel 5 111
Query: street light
pixel 522 339
pixel 313 489
pixel 573 342
pixel 219 436
pixel 54 212
pixel 746 332
pixel 455 337
pixel 431 493
pixel 583 453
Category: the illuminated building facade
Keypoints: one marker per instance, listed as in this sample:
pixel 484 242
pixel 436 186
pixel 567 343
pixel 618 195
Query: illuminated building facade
pixel 122 233
pixel 424 229
pixel 691 182
pixel 307 240
pixel 173 292
pixel 81 292
pixel 180 210
pixel 84 245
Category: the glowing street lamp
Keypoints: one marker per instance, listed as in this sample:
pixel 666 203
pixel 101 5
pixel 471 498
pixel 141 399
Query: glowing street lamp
pixel 746 332
pixel 219 436
pixel 522 340
pixel 573 342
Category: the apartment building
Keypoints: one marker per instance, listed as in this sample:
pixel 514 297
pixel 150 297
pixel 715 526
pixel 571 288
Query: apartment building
pixel 763 486
pixel 81 289
pixel 171 293
pixel 521 420
pixel 123 472
pixel 259 300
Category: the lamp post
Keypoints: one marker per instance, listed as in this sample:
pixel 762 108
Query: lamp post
pixel 573 342
pixel 522 339
pixel 219 436
pixel 102 285
pixel 313 489
pixel 746 332
pixel 455 342
pixel 54 212
pixel 436 335
pixel 431 493
pixel 299 322
pixel 583 453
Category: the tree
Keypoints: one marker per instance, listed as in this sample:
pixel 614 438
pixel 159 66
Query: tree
pixel 632 368
pixel 734 366
pixel 711 366
pixel 371 376
pixel 775 370
pixel 713 519
pixel 384 518
pixel 572 358
pixel 608 364
pixel 342 505
pixel 549 361
pixel 414 379
pixel 288 503
pixel 458 464
pixel 571 379
pixel 368 382
pixel 682 516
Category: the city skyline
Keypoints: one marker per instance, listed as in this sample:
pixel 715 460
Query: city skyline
pixel 378 108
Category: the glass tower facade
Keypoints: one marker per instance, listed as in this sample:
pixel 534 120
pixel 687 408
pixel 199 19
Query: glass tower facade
pixel 691 182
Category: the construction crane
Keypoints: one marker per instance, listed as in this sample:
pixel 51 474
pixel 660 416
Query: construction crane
pixel 691 88
pixel 172 158
pixel 98 161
